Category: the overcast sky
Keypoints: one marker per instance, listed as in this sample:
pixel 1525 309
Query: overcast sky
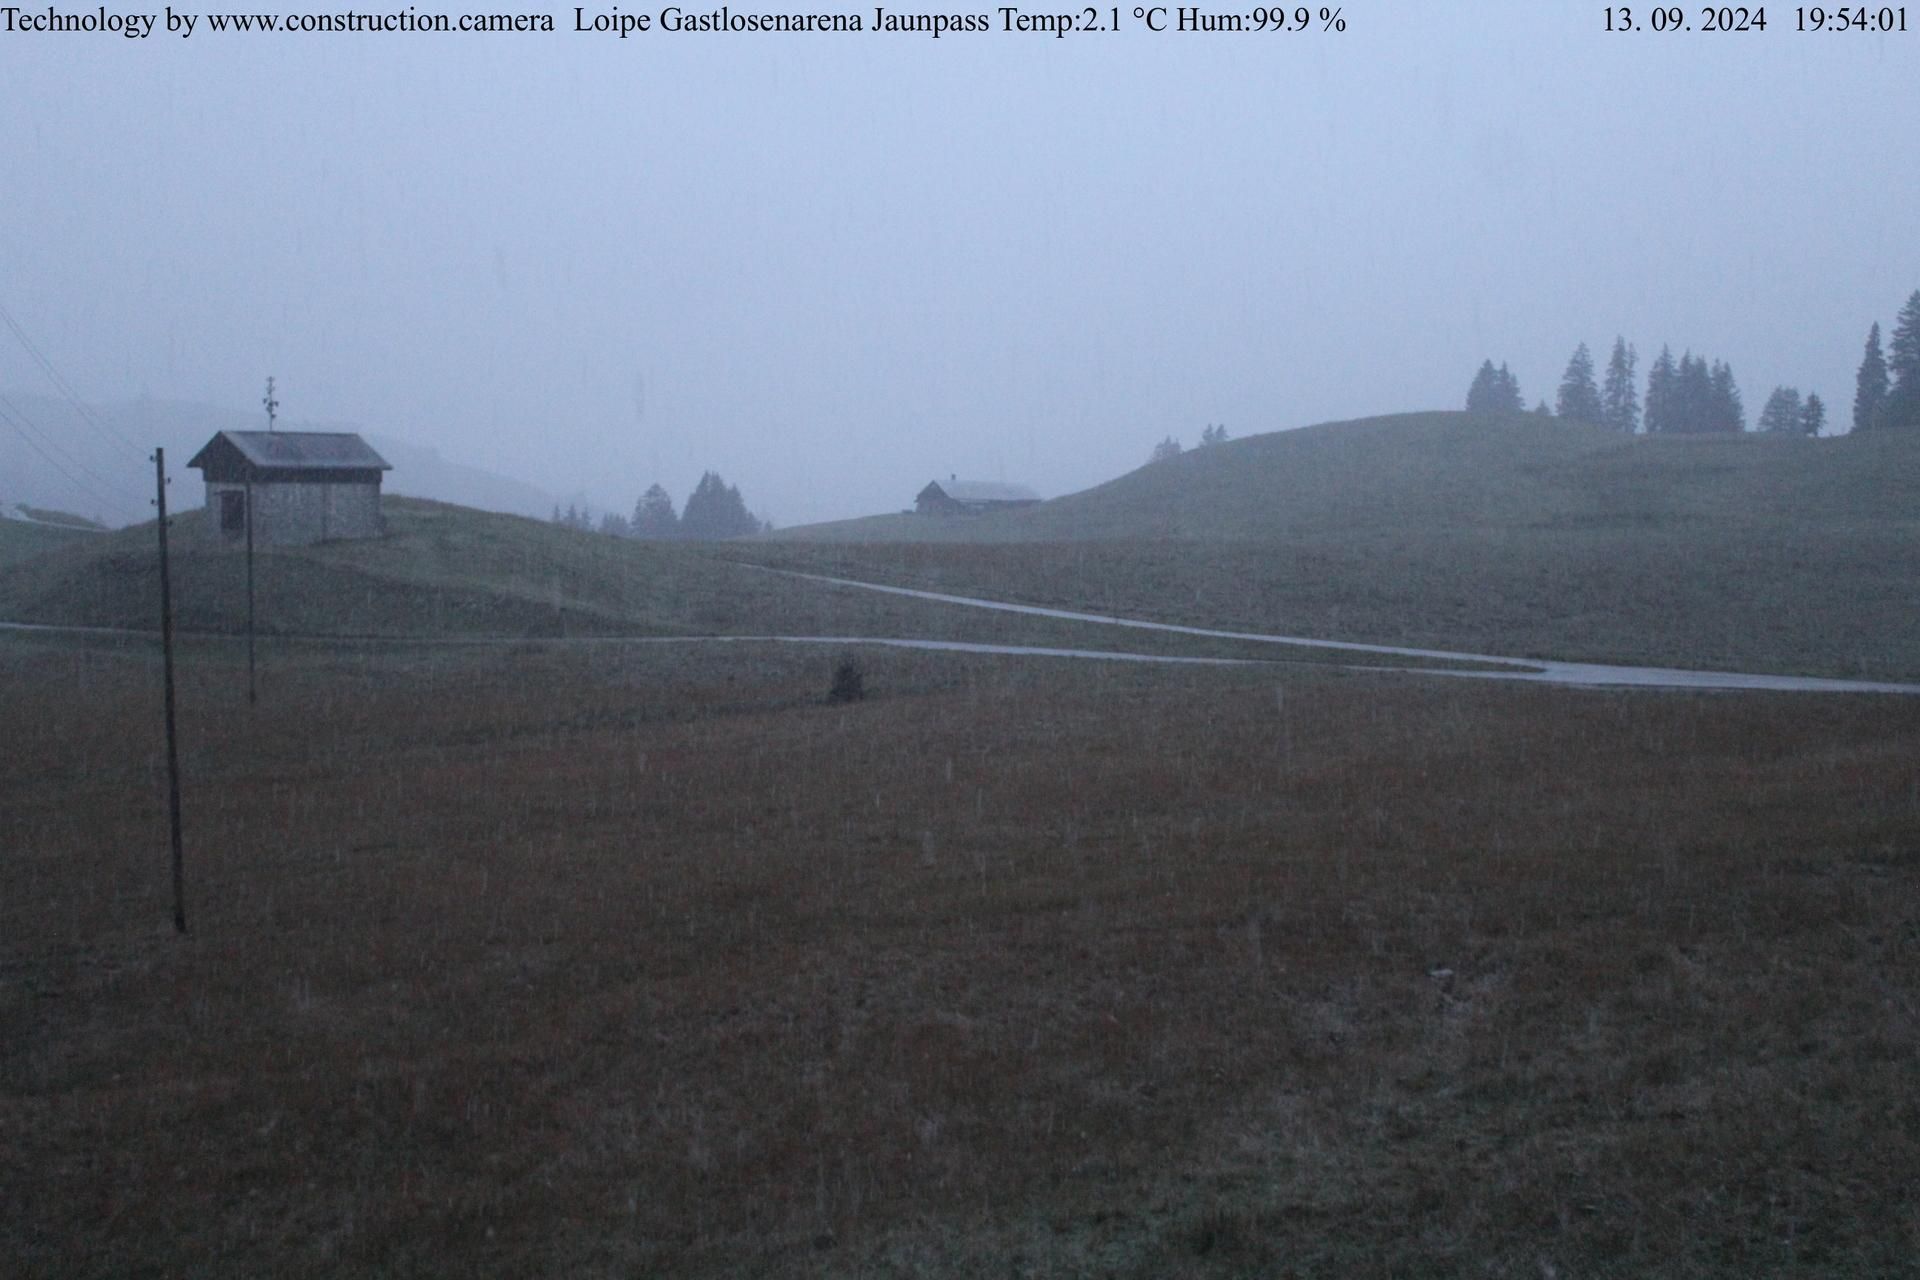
pixel 833 267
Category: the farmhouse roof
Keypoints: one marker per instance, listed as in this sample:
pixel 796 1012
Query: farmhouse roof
pixel 297 450
pixel 986 491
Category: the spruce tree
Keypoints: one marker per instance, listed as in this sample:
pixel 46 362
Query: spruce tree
pixel 1494 391
pixel 1813 415
pixel 1662 384
pixel 1784 413
pixel 1901 408
pixel 715 510
pixel 653 515
pixel 1486 395
pixel 1692 395
pixel 1870 384
pixel 1507 397
pixel 1619 402
pixel 1724 411
pixel 1579 399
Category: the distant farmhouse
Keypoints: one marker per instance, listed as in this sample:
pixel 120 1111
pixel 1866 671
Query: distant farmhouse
pixel 304 486
pixel 958 497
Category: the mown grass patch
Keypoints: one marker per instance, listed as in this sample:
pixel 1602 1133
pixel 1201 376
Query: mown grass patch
pixel 631 959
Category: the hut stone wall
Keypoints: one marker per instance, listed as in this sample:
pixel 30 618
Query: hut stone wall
pixel 294 514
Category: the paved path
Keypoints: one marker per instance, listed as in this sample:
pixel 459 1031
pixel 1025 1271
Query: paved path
pixel 892 642
pixel 1538 670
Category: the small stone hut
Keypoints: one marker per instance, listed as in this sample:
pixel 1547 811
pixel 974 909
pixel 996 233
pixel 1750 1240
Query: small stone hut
pixel 303 486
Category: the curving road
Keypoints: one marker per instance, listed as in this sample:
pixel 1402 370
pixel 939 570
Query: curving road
pixel 1538 670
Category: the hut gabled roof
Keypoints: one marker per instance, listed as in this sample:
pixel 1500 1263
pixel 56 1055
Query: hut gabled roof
pixel 985 491
pixel 295 451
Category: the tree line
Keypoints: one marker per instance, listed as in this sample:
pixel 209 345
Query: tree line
pixel 1213 433
pixel 713 510
pixel 1685 395
pixel 1690 395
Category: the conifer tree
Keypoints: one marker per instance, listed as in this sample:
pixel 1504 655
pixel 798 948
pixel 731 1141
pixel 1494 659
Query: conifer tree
pixel 1662 385
pixel 1480 395
pixel 653 515
pixel 1619 401
pixel 1813 415
pixel 1494 391
pixel 1784 413
pixel 1901 408
pixel 715 510
pixel 1692 394
pixel 1507 397
pixel 1870 384
pixel 1724 411
pixel 1579 399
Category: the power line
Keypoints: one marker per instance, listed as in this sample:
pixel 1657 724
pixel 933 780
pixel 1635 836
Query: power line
pixel 53 375
pixel 40 441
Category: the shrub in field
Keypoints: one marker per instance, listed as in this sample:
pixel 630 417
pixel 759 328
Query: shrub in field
pixel 849 682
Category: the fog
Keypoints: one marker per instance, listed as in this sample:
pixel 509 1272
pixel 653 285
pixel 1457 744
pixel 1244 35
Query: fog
pixel 832 267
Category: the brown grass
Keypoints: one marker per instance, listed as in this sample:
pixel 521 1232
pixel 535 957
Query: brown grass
pixel 641 961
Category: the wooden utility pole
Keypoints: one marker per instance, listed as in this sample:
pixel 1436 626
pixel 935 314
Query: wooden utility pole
pixel 253 694
pixel 253 688
pixel 166 649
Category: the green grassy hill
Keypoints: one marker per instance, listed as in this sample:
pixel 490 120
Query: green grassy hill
pixel 20 540
pixel 1411 474
pixel 1513 535
pixel 446 571
pixel 1443 530
pixel 440 570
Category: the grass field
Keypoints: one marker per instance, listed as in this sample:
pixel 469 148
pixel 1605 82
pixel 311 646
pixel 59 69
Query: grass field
pixel 641 960
pixel 1443 530
pixel 446 571
pixel 20 539
pixel 1449 531
pixel 573 954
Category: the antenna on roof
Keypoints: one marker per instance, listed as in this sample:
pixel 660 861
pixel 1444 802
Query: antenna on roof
pixel 273 406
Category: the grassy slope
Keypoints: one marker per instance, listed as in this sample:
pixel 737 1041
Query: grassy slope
pixel 20 540
pixel 1409 475
pixel 450 571
pixel 1511 536
pixel 1436 530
